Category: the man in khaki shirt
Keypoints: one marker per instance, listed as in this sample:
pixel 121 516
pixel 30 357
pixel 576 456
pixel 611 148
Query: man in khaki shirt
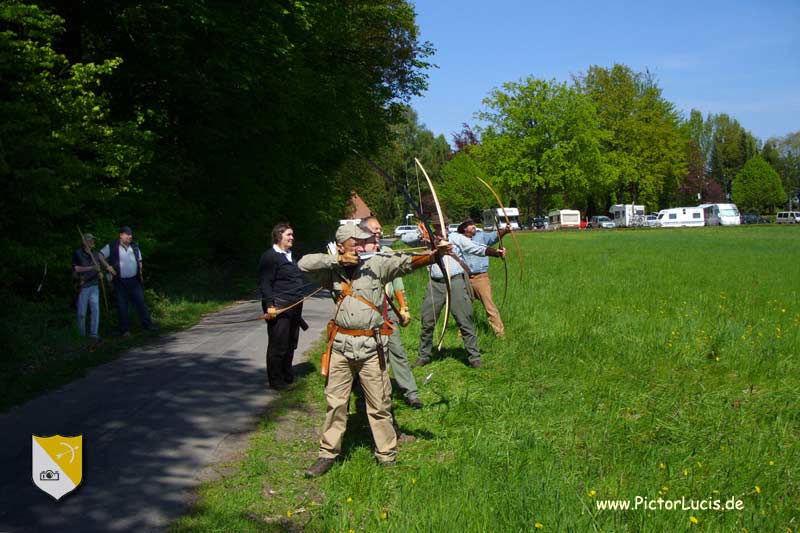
pixel 358 333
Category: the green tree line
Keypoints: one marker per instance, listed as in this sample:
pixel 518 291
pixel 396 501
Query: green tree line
pixel 611 137
pixel 200 124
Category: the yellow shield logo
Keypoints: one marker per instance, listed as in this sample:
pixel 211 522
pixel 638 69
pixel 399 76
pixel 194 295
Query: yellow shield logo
pixel 57 464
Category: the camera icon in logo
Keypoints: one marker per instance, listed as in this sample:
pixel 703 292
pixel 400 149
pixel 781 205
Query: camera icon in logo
pixel 48 475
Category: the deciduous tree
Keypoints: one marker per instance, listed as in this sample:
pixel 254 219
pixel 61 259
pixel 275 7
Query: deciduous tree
pixel 784 155
pixel 541 137
pixel 732 147
pixel 757 187
pixel 644 151
pixel 61 156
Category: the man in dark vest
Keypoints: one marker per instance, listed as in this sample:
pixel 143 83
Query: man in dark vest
pixel 125 258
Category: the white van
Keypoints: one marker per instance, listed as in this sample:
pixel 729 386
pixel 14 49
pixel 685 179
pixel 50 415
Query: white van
pixel 788 217
pixel 677 217
pixel 564 218
pixel 627 215
pixel 721 214
pixel 495 217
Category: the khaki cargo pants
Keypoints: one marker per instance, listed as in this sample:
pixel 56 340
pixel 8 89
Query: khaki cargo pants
pixel 482 287
pixel 379 406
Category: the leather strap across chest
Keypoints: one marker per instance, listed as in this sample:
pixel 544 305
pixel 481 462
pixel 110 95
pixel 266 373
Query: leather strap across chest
pixel 385 329
pixel 347 290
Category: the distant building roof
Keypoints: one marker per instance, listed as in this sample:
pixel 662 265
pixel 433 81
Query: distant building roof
pixel 357 208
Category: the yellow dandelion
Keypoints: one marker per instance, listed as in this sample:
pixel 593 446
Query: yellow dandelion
pixel 662 466
pixel 699 464
pixel 771 463
pixel 693 520
pixel 783 310
pixel 413 480
pixel 538 525
pixel 685 472
pixel 716 359
pixel 665 488
pixel 592 493
pixel 384 515
pixel 715 491
pixel 758 489
pixel 288 514
pixel 349 500
pixel 351 531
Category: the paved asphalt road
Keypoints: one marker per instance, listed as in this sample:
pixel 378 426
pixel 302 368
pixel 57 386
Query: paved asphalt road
pixel 151 421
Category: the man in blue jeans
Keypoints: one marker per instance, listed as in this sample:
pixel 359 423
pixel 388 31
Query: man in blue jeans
pixel 86 264
pixel 125 258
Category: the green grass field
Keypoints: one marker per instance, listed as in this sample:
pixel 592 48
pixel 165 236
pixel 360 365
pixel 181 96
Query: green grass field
pixel 650 364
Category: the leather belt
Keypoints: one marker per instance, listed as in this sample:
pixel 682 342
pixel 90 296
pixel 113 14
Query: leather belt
pixel 385 329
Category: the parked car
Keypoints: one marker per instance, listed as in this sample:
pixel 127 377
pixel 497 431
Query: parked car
pixel 452 228
pixel 600 221
pixel 754 218
pixel 788 217
pixel 399 231
pixel 650 220
pixel 537 223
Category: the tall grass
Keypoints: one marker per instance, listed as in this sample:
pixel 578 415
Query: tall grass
pixel 651 364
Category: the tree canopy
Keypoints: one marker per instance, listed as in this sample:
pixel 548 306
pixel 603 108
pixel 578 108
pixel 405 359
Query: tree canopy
pixel 541 137
pixel 757 187
pixel 192 118
pixel 643 150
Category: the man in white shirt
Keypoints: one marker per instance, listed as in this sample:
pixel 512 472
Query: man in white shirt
pixel 125 258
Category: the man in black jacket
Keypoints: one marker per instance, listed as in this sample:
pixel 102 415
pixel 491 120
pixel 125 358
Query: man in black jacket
pixel 281 284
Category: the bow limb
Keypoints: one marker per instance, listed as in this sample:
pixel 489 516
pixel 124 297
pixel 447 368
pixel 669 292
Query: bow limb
pixel 96 266
pixel 266 316
pixel 508 223
pixel 402 190
pixel 284 309
pixel 443 265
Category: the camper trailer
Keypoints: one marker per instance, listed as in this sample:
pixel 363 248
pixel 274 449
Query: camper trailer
pixel 677 217
pixel 564 218
pixel 494 219
pixel 627 215
pixel 721 214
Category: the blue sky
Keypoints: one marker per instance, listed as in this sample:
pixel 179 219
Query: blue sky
pixel 739 58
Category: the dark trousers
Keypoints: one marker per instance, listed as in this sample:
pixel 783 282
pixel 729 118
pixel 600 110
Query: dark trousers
pixel 129 290
pixel 283 333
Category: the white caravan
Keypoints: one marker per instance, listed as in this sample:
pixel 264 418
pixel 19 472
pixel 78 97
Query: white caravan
pixel 564 218
pixel 677 217
pixel 627 215
pixel 721 214
pixel 492 217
